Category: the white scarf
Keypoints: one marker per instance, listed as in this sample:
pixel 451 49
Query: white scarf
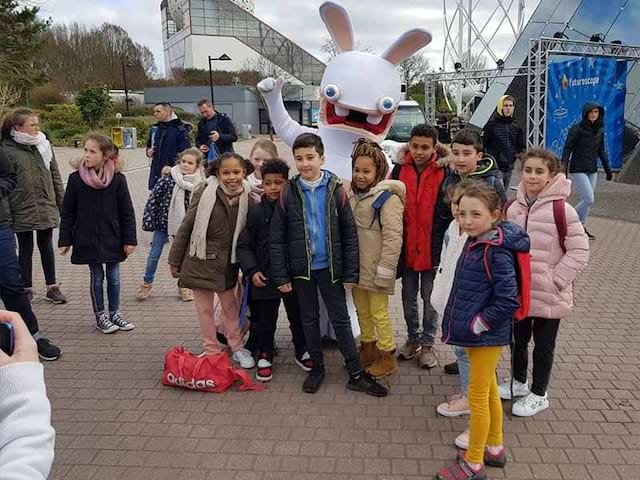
pixel 39 141
pixel 256 186
pixel 198 243
pixel 176 206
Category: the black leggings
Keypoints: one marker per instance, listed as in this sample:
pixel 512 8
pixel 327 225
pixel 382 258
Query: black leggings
pixel 25 255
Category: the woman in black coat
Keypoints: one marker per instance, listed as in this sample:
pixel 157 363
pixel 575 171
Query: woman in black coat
pixel 98 221
pixel 585 144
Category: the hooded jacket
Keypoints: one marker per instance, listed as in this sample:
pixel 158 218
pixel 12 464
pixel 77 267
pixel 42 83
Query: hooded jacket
pixel 476 299
pixel 379 238
pixel 169 139
pixel 552 270
pixel 585 144
pixel 503 138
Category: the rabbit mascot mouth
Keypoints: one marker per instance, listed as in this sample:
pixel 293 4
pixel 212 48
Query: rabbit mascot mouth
pixel 359 92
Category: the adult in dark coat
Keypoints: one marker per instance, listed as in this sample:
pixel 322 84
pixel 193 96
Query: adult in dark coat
pixel 585 144
pixel 214 126
pixel 503 138
pixel 167 139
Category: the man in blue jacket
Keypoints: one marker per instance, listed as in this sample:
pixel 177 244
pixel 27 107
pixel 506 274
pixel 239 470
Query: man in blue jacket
pixel 215 127
pixel 166 139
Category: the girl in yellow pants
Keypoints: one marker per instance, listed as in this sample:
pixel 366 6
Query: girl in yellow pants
pixel 377 206
pixel 478 317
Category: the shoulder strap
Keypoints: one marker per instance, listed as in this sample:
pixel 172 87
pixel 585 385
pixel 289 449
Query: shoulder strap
pixel 506 206
pixel 560 217
pixel 377 205
pixel 487 262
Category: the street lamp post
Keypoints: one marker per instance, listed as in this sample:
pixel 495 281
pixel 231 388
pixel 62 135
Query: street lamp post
pixel 224 58
pixel 124 79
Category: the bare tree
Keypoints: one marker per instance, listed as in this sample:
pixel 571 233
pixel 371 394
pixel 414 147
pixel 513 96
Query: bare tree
pixel 473 61
pixel 331 50
pixel 413 69
pixel 9 95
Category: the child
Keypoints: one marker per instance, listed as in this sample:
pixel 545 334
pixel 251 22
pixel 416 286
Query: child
pixel 423 232
pixel 377 206
pixel 314 244
pixel 253 253
pixel 165 210
pixel 478 317
pixel 203 254
pixel 99 222
pixel 261 151
pixel 555 264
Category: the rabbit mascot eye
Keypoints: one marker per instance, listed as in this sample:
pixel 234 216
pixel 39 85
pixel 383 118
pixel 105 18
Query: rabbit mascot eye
pixel 359 93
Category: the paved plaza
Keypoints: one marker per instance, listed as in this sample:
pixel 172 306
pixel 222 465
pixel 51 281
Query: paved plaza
pixel 115 421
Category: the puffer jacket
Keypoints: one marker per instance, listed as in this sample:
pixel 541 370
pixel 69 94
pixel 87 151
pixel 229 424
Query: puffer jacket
pixel 552 271
pixel 503 138
pixel 290 248
pixel 156 210
pixel 476 300
pixel 36 202
pixel 379 239
pixel 452 248
pixel 486 171
pixel 585 144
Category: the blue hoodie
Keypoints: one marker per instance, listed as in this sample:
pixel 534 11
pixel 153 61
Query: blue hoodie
pixel 315 202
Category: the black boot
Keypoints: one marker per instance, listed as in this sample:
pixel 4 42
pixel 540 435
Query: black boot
pixel 452 368
pixel 314 380
pixel 590 235
pixel 363 382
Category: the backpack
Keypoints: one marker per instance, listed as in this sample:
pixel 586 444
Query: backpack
pixel 559 217
pixel 377 206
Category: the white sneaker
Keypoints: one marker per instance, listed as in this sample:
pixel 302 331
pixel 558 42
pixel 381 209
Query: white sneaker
pixel 244 358
pixel 519 389
pixel 462 440
pixel 530 405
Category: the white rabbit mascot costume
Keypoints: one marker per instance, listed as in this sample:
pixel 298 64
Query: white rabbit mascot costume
pixel 359 95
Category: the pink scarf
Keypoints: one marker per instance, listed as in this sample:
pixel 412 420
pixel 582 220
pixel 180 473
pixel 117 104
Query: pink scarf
pixel 100 179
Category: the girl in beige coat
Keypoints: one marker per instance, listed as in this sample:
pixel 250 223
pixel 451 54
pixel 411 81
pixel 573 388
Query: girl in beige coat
pixel 378 207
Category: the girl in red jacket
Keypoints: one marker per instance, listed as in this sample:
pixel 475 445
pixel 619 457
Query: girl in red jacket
pixel 555 264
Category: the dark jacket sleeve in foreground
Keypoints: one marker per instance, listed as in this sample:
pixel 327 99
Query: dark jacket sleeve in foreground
pixel 202 137
pixel 246 249
pixel 441 219
pixel 8 177
pixel 69 213
pixel 604 156
pixel 278 238
pixel 127 214
pixel 227 131
pixel 349 232
pixel 569 144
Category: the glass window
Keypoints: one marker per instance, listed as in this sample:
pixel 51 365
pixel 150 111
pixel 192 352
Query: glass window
pixel 594 16
pixel 198 30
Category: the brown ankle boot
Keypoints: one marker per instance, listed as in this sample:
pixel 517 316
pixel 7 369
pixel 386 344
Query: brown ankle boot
pixel 386 364
pixel 368 353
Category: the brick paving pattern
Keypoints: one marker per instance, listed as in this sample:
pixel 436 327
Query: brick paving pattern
pixel 114 419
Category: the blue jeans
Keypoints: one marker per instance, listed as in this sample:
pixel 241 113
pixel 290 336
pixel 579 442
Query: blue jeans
pixel 97 287
pixel 157 245
pixel 12 291
pixel 412 282
pixel 584 184
pixel 463 367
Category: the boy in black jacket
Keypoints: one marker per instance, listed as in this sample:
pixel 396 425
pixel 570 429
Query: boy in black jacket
pixel 253 254
pixel 314 245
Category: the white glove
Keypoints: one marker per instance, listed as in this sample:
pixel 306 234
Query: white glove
pixel 270 84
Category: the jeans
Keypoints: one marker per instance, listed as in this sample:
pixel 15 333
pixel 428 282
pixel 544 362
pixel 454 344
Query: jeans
pixel 505 176
pixel 463 366
pixel 411 282
pixel 584 184
pixel 544 331
pixel 373 316
pixel 157 245
pixel 12 291
pixel 333 295
pixel 113 287
pixel 25 253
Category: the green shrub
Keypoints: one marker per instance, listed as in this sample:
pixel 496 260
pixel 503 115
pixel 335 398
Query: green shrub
pixel 94 103
pixel 58 117
pixel 134 110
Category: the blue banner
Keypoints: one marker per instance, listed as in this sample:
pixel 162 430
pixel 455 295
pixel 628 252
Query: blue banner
pixel 571 84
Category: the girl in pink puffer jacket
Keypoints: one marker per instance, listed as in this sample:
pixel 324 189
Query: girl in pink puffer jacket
pixel 554 268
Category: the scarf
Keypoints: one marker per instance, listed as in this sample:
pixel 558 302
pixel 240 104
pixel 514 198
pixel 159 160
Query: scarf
pixel 39 141
pixel 256 186
pixel 100 179
pixel 177 208
pixel 198 243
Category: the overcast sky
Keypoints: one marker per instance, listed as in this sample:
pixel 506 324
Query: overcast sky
pixel 375 25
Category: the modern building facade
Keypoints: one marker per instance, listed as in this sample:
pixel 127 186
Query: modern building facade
pixel 194 30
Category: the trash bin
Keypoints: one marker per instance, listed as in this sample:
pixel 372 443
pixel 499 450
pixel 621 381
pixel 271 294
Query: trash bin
pixel 124 137
pixel 245 131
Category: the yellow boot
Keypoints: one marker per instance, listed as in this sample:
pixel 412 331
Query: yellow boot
pixel 386 364
pixel 368 353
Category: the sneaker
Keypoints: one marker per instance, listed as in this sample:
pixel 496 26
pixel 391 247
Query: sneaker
pixel 304 361
pixel 428 357
pixel 363 382
pixel 496 460
pixel 461 470
pixel 105 325
pixel 458 405
pixel 55 296
pixel 185 294
pixel 121 323
pixel 530 405
pixel 244 358
pixel 144 291
pixel 314 380
pixel 519 389
pixel 409 350
pixel 452 368
pixel 265 368
pixel 47 350
pixel 462 440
